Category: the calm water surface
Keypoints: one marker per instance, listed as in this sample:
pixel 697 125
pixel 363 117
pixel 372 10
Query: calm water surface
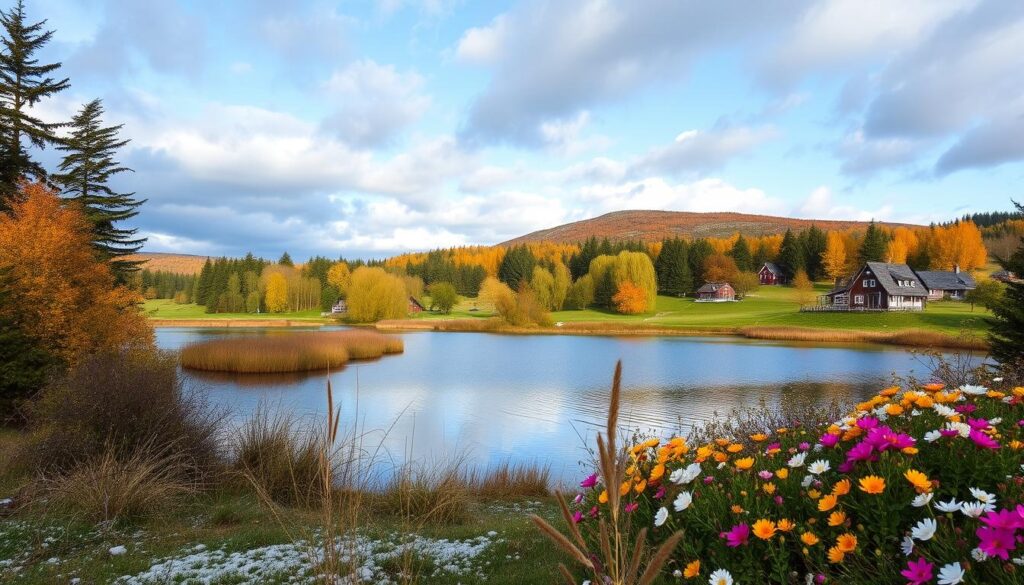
pixel 493 398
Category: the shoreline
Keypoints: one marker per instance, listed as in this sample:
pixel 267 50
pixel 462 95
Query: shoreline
pixel 234 323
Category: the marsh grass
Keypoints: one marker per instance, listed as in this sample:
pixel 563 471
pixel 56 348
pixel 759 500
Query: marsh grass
pixel 279 458
pixel 508 480
pixel 288 352
pixel 906 337
pixel 426 495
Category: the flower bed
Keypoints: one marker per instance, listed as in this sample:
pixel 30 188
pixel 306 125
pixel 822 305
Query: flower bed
pixel 917 486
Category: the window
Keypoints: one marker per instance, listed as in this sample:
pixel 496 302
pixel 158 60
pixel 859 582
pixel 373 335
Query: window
pixel 858 299
pixel 865 283
pixel 869 283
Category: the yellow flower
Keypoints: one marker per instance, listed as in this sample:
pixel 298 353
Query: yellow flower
pixel 657 472
pixel 919 480
pixel 813 494
pixel 603 498
pixel 835 555
pixel 764 529
pixel 841 488
pixel 1016 445
pixel 846 543
pixel 809 538
pixel 745 463
pixel 995 394
pixel 782 431
pixel 759 437
pixel 769 488
pixel 782 473
pixel 640 486
pixel 734 448
pixel 909 450
pixel 786 525
pixel 625 487
pixel 692 569
pixel 924 402
pixel 827 503
pixel 1019 391
pixel 872 484
pixel 837 518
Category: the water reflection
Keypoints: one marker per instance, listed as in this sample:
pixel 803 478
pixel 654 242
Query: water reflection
pixel 534 398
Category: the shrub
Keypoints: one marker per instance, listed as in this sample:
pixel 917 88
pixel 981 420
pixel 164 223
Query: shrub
pixel 287 352
pixel 443 296
pixel 373 294
pixel 279 458
pixel 123 404
pixel 910 483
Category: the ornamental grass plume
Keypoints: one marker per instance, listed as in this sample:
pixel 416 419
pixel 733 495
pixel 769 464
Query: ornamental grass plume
pixel 615 554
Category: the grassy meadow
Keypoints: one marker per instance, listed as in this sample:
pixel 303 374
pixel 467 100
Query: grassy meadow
pixel 166 309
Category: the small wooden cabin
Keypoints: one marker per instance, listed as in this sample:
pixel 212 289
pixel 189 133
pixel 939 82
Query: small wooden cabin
pixel 771 274
pixel 415 306
pixel 716 292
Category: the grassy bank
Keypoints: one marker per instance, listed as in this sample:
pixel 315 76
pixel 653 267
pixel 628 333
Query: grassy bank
pixel 164 312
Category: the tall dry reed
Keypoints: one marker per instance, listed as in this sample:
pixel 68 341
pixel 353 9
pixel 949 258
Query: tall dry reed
pixel 288 352
pixel 510 480
pixel 618 555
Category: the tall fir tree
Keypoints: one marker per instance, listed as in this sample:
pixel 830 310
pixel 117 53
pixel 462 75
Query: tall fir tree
pixel 23 83
pixel 872 249
pixel 815 243
pixel 699 251
pixel 286 260
pixel 672 268
pixel 741 254
pixel 791 255
pixel 84 177
pixel 1007 333
pixel 516 267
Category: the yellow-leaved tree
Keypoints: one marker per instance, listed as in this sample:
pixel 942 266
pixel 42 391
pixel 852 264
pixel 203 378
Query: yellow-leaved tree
pixel 339 276
pixel 276 298
pixel 375 294
pixel 834 256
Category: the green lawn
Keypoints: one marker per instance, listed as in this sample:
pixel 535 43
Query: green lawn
pixel 168 309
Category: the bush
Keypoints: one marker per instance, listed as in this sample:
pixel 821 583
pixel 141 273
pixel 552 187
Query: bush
pixel 443 296
pixel 280 459
pixel 123 404
pixel 428 496
pixel 910 483
pixel 374 294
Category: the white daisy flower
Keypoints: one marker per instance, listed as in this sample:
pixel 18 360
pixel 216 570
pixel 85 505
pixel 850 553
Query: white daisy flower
pixel 950 506
pixel 973 390
pixel 983 496
pixel 818 467
pixel 922 500
pixel 972 509
pixel 661 516
pixel 907 546
pixel 915 412
pixel 924 530
pixel 720 577
pixel 685 475
pixel 943 410
pixel 682 501
pixel 808 479
pixel 797 460
pixel 1019 561
pixel 951 574
pixel 979 555
pixel 995 421
pixel 677 574
pixel 932 436
pixel 963 429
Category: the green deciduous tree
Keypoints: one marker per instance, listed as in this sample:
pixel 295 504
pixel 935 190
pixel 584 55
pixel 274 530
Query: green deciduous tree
pixel 987 292
pixel 84 176
pixel 543 285
pixel 443 296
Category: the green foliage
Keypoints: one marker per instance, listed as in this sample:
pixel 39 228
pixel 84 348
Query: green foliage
pixel 741 254
pixel 744 283
pixel 516 267
pixel 563 280
pixel 814 242
pixel 581 293
pixel 699 251
pixel 673 268
pixel 24 362
pixel 443 296
pixel 987 293
pixel 872 249
pixel 1007 336
pixel 24 82
pixel 84 173
pixel 791 255
pixel 286 260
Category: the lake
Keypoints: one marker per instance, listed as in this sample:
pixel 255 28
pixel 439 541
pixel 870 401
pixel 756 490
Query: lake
pixel 537 398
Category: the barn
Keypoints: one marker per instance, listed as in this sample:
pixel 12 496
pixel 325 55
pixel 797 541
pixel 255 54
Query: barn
pixel 771 274
pixel 716 292
pixel 415 306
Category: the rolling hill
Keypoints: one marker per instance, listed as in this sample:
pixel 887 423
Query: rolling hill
pixel 656 225
pixel 179 263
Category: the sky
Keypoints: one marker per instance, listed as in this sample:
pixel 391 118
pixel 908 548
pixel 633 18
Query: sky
pixel 364 129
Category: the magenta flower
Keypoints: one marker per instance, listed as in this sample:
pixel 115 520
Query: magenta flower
pixel 708 480
pixel 577 499
pixel 804 446
pixel 948 432
pixel 593 512
pixel 1005 519
pixel 862 451
pixel 632 506
pixel 737 536
pixel 660 493
pixel 982 440
pixel 577 517
pixel 829 440
pixel 772 447
pixel 590 482
pixel 996 542
pixel 965 408
pixel 978 424
pixel 778 500
pixel 868 422
pixel 918 572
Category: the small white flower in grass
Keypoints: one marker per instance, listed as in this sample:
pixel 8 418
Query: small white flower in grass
pixel 924 530
pixel 720 577
pixel 915 412
pixel 677 574
pixel 797 460
pixel 973 390
pixel 682 501
pixel 661 516
pixel 818 467
pixel 951 574
pixel 1019 561
pixel 963 429
pixel 999 379
pixel 979 555
pixel 943 410
pixel 922 500
pixel 686 474
pixel 807 480
pixel 907 546
pixel 995 421
pixel 983 496
pixel 932 436
pixel 721 465
pixel 950 506
pixel 972 509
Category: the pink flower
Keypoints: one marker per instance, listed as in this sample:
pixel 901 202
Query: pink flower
pixel 868 422
pixel 829 440
pixel 593 512
pixel 660 493
pixel 982 440
pixel 577 499
pixel 804 446
pixel 862 451
pixel 778 500
pixel 1005 519
pixel 949 432
pixel 918 572
pixel 996 542
pixel 737 536
pixel 765 474
pixel 772 447
pixel 577 517
pixel 978 424
pixel 965 408
pixel 708 480
pixel 632 506
pixel 590 482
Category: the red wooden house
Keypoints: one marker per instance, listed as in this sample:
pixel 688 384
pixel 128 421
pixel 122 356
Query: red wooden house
pixel 771 274
pixel 716 292
pixel 878 286
pixel 415 306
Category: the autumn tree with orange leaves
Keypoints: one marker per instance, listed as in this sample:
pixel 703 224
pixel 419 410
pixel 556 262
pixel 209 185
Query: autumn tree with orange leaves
pixel 64 296
pixel 630 299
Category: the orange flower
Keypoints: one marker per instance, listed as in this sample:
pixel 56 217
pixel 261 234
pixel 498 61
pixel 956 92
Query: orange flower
pixel 640 486
pixel 1019 391
pixel 782 473
pixel 933 387
pixel 769 488
pixel 841 488
pixel 872 484
pixel 813 494
pixel 919 480
pixel 625 487
pixel 722 442
pixel 603 498
pixel 827 503
pixel 809 539
pixel 764 529
pixel 734 448
pixel 657 472
pixel 835 555
pixel 995 394
pixel 759 437
pixel 890 391
pixel 837 518
pixel 909 450
pixel 737 509
pixel 786 525
pixel 721 457
pixel 846 543
pixel 894 410
pixel 692 569
pixel 745 463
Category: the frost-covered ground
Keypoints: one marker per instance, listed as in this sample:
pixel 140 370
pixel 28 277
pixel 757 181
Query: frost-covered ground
pixel 372 560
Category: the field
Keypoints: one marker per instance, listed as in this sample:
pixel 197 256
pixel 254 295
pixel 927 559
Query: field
pixel 166 309
pixel 178 263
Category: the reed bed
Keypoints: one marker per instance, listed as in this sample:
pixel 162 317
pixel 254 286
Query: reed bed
pixel 908 337
pixel 292 352
pixel 508 480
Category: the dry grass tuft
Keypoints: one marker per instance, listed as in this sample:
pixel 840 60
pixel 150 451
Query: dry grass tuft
pixel 281 460
pixel 908 337
pixel 108 487
pixel 426 496
pixel 510 481
pixel 288 352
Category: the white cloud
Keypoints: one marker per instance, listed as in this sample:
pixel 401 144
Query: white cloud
pixel 483 45
pixel 821 204
pixel 701 151
pixel 704 195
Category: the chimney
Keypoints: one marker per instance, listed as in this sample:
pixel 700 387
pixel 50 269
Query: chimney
pixel 956 269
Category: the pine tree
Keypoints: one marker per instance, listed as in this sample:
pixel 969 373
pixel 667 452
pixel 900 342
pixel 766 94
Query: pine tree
pixel 83 176
pixel 286 260
pixel 872 249
pixel 23 83
pixel 24 362
pixel 791 255
pixel 673 268
pixel 516 267
pixel 741 254
pixel 698 253
pixel 815 242
pixel 1007 333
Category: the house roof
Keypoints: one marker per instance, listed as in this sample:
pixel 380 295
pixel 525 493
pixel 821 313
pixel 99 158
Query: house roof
pixel 889 276
pixel 773 267
pixel 946 280
pixel 712 287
